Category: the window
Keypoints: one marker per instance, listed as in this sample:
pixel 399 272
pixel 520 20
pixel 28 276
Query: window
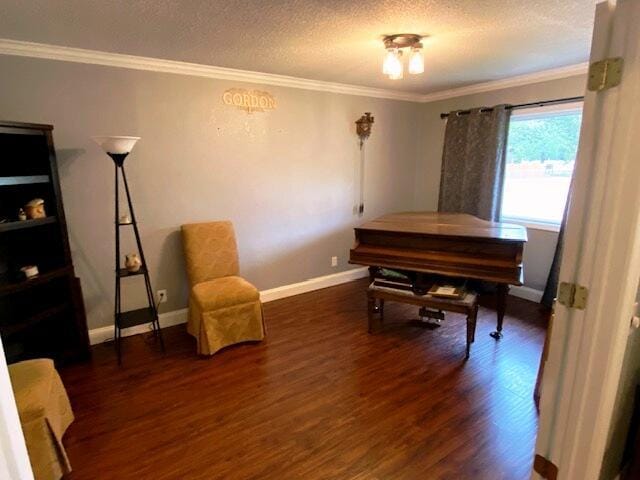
pixel 541 152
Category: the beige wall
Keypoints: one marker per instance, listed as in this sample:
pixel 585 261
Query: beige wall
pixel 539 250
pixel 284 177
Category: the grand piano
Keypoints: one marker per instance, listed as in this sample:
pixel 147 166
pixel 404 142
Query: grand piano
pixel 449 244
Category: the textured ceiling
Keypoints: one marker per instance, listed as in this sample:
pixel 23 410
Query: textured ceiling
pixel 332 40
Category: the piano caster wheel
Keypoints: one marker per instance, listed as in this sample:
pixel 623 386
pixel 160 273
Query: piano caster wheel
pixel 496 335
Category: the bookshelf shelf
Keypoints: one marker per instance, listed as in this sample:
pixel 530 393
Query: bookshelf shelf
pixel 33 320
pixel 23 180
pixel 7 286
pixel 20 225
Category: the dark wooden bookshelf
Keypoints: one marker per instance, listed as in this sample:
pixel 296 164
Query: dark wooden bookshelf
pixel 42 316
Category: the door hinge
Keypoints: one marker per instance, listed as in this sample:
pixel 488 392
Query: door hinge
pixel 572 295
pixel 605 74
pixel 545 468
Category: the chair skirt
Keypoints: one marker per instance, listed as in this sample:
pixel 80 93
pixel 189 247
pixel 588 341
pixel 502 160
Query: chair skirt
pixel 219 328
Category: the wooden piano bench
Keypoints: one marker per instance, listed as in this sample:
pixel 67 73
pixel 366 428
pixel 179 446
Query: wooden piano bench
pixel 467 305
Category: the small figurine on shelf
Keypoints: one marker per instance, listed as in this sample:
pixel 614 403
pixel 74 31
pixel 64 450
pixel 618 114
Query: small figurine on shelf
pixel 30 271
pixel 21 214
pixel 35 209
pixel 132 262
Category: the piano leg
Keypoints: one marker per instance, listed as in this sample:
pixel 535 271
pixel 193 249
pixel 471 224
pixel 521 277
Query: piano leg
pixel 374 312
pixel 501 305
pixel 373 271
pixel 471 329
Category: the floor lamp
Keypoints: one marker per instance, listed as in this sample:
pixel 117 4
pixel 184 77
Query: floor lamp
pixel 118 148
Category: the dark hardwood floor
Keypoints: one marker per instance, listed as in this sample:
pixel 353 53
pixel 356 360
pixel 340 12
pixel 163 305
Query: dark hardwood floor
pixel 319 399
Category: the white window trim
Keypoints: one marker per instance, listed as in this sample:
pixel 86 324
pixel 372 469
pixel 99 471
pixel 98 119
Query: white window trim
pixel 532 224
pixel 533 112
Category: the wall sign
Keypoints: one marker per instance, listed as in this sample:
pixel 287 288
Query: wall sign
pixel 249 100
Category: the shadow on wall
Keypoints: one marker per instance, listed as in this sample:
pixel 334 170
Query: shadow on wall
pixel 94 291
pixel 170 269
pixel 67 157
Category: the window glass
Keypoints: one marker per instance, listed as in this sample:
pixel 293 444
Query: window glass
pixel 541 152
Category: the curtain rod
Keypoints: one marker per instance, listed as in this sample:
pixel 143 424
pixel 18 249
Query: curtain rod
pixel 524 105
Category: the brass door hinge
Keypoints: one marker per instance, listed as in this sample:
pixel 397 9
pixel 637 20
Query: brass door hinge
pixel 605 74
pixel 572 295
pixel 545 468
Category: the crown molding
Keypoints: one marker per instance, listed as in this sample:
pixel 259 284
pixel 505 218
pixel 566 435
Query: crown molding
pixel 527 79
pixel 95 57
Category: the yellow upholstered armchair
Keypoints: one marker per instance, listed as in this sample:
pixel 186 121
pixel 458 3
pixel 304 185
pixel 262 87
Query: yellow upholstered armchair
pixel 223 308
pixel 45 414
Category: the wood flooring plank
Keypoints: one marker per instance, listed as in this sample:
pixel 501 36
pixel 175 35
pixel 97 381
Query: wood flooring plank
pixel 320 398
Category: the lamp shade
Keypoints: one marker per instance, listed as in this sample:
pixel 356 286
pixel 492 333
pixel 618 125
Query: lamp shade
pixel 392 65
pixel 389 61
pixel 116 145
pixel 416 61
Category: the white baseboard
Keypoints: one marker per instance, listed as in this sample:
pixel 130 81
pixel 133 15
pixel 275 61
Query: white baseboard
pixel 177 317
pixel 313 284
pixel 527 293
pixel 169 319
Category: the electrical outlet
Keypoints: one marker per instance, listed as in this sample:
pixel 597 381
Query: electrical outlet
pixel 334 261
pixel 162 295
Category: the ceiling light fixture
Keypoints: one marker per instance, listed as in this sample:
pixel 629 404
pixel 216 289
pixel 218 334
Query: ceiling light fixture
pixel 392 64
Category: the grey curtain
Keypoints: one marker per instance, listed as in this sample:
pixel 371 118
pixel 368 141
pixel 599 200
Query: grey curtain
pixel 473 162
pixel 551 287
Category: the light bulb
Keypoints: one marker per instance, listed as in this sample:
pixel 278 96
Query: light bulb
pixel 398 75
pixel 389 59
pixel 394 66
pixel 416 60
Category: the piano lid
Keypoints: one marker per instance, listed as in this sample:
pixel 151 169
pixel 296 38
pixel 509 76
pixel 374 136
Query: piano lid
pixel 447 225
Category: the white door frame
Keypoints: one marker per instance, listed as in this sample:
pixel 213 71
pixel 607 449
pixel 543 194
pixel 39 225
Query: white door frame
pixel 14 460
pixel 602 252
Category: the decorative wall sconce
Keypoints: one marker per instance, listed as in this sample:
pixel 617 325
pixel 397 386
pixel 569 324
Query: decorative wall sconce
pixel 392 64
pixel 363 129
